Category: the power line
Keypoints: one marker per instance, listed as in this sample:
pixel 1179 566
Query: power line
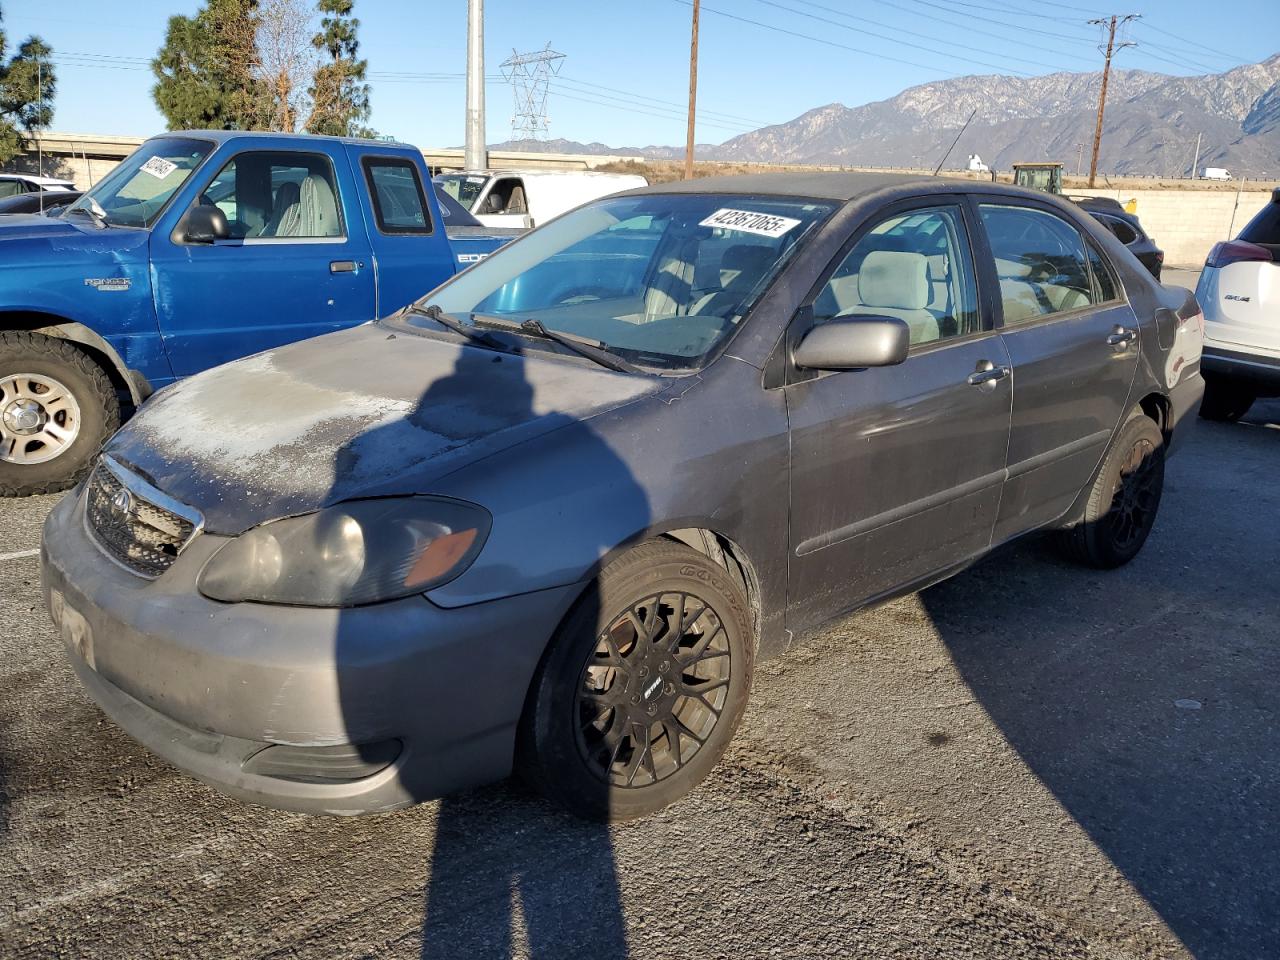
pixel 881 36
pixel 821 40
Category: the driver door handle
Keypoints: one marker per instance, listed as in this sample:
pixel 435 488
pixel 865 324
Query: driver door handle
pixel 344 266
pixel 1122 335
pixel 988 373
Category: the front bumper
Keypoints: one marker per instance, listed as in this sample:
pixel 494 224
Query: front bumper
pixel 1260 370
pixel 210 685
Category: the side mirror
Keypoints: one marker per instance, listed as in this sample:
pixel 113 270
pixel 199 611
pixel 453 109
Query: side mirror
pixel 205 224
pixel 847 343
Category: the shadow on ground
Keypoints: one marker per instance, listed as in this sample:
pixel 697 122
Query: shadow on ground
pixel 1152 714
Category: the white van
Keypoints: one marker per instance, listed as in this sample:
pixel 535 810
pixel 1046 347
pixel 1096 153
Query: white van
pixel 526 198
pixel 1216 173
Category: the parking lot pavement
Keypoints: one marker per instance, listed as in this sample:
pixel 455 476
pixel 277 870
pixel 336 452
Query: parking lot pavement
pixel 1029 760
pixel 1181 276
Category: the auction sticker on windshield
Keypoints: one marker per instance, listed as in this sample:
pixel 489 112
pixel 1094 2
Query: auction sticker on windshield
pixel 159 167
pixel 747 221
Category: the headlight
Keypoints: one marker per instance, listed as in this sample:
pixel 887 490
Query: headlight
pixel 353 553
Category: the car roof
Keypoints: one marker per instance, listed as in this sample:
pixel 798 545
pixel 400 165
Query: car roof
pixel 32 178
pixel 833 186
pixel 221 136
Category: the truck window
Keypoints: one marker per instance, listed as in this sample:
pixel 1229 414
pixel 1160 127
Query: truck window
pixel 277 196
pixel 396 189
pixel 464 188
pixel 137 191
pixel 506 196
pixel 11 188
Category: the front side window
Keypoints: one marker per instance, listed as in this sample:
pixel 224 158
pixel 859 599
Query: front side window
pixel 398 203
pixel 270 195
pixel 1040 261
pixel 506 197
pixel 914 266
pixel 137 191
pixel 11 188
pixel 660 279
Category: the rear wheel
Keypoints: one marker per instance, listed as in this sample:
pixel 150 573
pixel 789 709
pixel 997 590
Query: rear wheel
pixel 642 688
pixel 1123 500
pixel 1224 400
pixel 56 408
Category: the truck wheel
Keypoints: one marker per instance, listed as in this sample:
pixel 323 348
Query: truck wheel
pixel 57 407
pixel 642 687
pixel 1224 400
pixel 1123 499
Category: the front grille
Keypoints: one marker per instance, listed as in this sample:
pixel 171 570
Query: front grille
pixel 139 533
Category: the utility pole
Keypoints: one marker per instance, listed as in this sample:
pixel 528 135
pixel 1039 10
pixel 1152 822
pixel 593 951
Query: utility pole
pixel 1110 25
pixel 40 107
pixel 1195 164
pixel 693 94
pixel 474 154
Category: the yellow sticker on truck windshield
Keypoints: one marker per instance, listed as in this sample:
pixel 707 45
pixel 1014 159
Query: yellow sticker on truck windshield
pixel 747 221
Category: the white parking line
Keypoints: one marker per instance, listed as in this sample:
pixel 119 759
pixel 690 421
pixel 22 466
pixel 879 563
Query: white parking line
pixel 20 554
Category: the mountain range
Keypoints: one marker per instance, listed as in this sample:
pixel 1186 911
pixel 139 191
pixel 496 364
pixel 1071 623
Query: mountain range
pixel 1152 121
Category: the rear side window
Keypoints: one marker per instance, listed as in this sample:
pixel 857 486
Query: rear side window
pixel 398 202
pixel 1123 232
pixel 1265 227
pixel 1041 262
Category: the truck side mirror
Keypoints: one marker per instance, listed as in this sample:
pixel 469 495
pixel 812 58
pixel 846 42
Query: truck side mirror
pixel 204 224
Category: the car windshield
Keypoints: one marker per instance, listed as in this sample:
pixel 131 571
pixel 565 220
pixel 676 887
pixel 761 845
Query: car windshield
pixel 136 192
pixel 465 188
pixel 661 280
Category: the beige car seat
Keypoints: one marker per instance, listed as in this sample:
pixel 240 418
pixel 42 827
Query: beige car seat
pixel 893 283
pixel 741 267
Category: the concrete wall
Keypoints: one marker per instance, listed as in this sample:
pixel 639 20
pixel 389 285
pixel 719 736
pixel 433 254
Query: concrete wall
pixel 1187 223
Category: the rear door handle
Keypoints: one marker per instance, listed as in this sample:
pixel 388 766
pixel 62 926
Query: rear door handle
pixel 1122 335
pixel 344 266
pixel 987 372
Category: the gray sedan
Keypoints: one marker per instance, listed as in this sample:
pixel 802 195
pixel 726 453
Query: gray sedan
pixel 548 517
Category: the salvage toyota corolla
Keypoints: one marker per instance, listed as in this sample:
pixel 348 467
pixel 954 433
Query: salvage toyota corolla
pixel 547 517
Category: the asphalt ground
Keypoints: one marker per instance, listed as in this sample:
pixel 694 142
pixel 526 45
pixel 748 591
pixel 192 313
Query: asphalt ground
pixel 1029 760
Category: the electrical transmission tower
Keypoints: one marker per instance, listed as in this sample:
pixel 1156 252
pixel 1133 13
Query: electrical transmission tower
pixel 530 75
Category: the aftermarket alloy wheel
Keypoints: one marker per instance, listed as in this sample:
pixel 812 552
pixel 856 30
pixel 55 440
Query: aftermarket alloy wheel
pixel 1124 499
pixel 56 409
pixel 642 688
pixel 1224 400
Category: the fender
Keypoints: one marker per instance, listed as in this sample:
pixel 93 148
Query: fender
pixel 138 385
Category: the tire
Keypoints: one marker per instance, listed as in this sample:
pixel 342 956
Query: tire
pixel 1225 401
pixel 1123 500
pixel 86 412
pixel 597 733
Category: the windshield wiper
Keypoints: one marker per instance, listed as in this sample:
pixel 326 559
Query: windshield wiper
pixel 591 349
pixel 433 312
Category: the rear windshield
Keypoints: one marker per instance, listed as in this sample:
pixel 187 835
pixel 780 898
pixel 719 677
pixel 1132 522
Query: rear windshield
pixel 1265 227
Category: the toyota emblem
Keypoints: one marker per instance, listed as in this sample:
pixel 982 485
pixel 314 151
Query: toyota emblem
pixel 122 503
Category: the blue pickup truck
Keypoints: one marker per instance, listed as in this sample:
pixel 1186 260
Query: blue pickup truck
pixel 199 248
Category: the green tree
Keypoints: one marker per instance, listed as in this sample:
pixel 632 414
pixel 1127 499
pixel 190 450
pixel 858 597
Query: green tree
pixel 206 71
pixel 339 94
pixel 27 86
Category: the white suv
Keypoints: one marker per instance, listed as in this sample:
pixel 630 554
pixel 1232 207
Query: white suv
pixel 1239 291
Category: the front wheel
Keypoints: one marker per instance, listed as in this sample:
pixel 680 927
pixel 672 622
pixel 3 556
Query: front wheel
pixel 57 407
pixel 1123 500
pixel 643 686
pixel 1224 400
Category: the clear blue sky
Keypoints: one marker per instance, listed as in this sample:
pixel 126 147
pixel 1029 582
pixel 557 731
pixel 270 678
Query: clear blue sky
pixel 626 71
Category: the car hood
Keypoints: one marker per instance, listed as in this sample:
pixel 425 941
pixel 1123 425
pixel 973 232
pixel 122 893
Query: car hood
pixel 30 239
pixel 363 412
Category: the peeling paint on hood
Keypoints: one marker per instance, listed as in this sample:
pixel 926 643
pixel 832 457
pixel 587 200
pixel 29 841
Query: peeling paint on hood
pixel 356 413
